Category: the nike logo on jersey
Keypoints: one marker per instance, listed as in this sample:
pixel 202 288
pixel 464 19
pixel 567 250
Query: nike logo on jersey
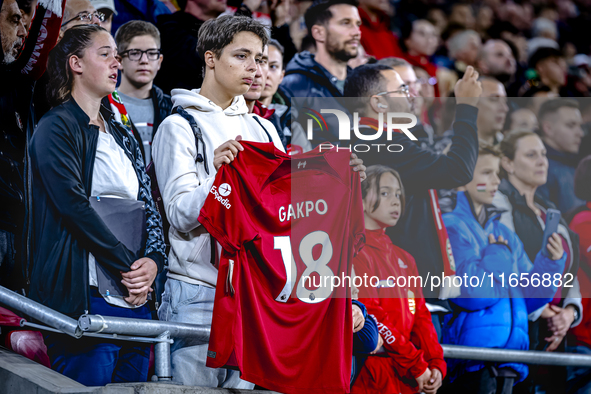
pixel 302 210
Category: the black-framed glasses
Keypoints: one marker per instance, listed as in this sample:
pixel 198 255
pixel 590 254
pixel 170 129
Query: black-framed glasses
pixel 86 16
pixel 402 90
pixel 136 54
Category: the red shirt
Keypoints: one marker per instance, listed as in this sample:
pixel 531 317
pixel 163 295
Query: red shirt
pixel 279 217
pixel 376 37
pixel 404 322
pixel 581 224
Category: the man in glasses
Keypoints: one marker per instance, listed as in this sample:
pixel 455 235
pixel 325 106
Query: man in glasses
pixel 80 12
pixel 138 44
pixel 421 169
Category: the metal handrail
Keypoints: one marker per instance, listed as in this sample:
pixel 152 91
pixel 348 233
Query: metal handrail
pixel 40 312
pixel 161 332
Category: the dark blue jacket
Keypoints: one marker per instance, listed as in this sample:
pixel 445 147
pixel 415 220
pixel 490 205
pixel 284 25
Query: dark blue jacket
pixel 365 341
pixel 560 186
pixel 145 10
pixel 66 228
pixel 492 315
pixel 305 77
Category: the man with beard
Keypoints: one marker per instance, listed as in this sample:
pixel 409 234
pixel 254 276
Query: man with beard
pixel 20 67
pixel 335 27
pixel 497 60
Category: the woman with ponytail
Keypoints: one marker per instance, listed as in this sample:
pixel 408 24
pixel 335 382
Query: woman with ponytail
pixel 78 153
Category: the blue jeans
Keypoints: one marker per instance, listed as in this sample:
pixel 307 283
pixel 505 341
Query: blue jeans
pixel 578 378
pixel 95 362
pixel 187 303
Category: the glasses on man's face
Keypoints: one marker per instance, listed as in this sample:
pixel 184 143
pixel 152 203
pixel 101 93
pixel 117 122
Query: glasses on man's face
pixel 136 54
pixel 86 16
pixel 402 90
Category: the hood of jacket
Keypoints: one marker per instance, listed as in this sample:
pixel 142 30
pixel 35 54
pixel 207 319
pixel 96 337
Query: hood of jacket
pixel 191 99
pixel 305 61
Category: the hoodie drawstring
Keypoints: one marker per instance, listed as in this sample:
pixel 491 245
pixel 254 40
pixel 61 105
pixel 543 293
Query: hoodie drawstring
pixel 198 135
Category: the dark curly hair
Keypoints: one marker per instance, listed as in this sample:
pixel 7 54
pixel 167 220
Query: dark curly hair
pixel 74 43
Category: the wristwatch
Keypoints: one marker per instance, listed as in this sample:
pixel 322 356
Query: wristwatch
pixel 575 314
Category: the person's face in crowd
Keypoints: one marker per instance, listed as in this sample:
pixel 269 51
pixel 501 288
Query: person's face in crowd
pixel 562 130
pixel 237 66
pixel 498 60
pixel 463 15
pixel 523 119
pixel 540 98
pixel 77 7
pixel 12 30
pixel 388 211
pixel 485 18
pixel 95 73
pixel 492 107
pixel 395 100
pixel 470 53
pixel 275 73
pixel 260 78
pixel 343 33
pixel 530 165
pixel 410 79
pixel 553 70
pixel 140 72
pixel 423 40
pixel 485 182
pixel 376 5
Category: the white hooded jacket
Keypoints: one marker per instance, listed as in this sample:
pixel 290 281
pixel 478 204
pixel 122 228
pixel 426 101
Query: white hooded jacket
pixel 184 183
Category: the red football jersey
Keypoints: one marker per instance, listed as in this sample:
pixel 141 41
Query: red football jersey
pixel 280 218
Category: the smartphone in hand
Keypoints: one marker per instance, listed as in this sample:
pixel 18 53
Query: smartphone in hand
pixel 552 221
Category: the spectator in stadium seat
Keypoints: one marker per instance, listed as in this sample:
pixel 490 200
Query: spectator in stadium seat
pixel 178 32
pixel 492 110
pixel 490 315
pixel 21 66
pixel 464 49
pixel 334 26
pixel 232 48
pixel 415 363
pixel 497 61
pixel 560 128
pixel 524 170
pixel 79 150
pixel 579 337
pixel 418 42
pixel 421 170
pixel 138 47
pixel 551 68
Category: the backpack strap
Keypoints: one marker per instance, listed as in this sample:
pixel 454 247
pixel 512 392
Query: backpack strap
pixel 266 132
pixel 196 132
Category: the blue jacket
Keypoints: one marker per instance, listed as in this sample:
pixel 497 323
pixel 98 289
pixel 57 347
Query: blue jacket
pixel 492 315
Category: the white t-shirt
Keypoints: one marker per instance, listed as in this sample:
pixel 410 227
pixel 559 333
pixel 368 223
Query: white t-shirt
pixel 113 175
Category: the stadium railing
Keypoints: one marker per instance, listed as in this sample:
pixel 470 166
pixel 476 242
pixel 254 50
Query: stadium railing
pixel 161 334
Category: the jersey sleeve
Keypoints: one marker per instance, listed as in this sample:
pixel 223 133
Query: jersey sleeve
pixel 224 214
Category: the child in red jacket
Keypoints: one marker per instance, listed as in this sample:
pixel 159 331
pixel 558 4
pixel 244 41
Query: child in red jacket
pixel 393 295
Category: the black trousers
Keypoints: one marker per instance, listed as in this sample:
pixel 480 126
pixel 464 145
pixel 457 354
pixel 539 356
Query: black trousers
pixel 489 380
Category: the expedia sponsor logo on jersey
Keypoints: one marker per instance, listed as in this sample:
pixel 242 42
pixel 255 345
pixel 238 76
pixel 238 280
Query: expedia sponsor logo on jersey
pixel 224 201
